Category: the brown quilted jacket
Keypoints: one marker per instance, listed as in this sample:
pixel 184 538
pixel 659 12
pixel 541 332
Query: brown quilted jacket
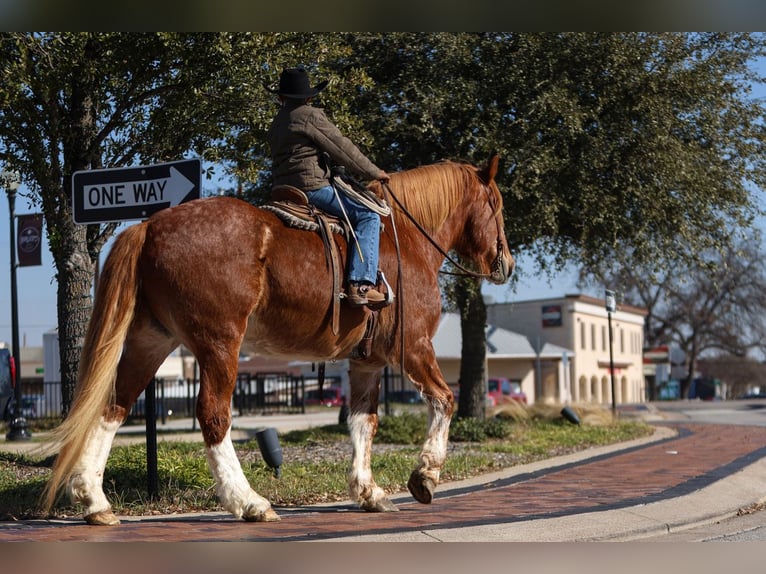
pixel 298 136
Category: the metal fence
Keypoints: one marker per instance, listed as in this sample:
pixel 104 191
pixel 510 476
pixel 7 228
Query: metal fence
pixel 259 393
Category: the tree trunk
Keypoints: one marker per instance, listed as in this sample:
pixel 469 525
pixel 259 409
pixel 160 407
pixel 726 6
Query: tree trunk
pixel 686 382
pixel 652 387
pixel 75 304
pixel 473 320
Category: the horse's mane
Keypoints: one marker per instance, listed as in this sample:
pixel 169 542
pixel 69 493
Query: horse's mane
pixel 431 192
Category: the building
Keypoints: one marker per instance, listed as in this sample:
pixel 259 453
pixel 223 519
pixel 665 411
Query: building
pixel 509 355
pixel 581 323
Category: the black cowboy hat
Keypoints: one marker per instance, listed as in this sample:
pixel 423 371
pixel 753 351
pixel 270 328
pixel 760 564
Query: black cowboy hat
pixel 294 83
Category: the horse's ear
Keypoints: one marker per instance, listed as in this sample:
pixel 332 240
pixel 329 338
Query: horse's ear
pixel 489 172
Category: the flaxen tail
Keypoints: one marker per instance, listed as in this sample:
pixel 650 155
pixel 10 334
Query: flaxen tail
pixel 112 314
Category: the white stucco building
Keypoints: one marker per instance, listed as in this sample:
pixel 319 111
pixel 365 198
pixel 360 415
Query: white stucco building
pixel 581 323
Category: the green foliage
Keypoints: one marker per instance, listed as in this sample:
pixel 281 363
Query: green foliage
pixel 404 428
pixel 608 139
pixel 87 100
pixel 478 430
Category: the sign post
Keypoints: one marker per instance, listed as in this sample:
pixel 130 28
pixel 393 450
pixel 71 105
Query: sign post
pixel 123 194
pixel 611 307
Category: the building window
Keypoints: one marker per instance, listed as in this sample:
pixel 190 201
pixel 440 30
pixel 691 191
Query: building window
pixel 593 336
pixel 582 334
pixel 622 340
pixel 603 337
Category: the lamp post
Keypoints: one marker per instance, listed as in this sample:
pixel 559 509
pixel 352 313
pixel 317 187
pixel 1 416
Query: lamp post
pixel 18 425
pixel 611 307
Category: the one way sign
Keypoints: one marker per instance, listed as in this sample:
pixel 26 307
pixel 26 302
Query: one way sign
pixel 122 194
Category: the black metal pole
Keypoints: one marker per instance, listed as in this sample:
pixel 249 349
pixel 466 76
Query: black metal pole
pixel 152 474
pixel 611 363
pixel 18 425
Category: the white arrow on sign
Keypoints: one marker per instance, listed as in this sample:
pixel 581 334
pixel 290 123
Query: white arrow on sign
pixel 170 189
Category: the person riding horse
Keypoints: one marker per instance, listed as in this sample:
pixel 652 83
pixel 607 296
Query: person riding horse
pixel 299 136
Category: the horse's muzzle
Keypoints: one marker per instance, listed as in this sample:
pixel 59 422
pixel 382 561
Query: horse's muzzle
pixel 502 267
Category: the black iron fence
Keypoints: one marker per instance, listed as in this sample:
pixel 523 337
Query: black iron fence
pixel 259 393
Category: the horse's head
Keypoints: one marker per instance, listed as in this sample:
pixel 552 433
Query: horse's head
pixel 483 239
pixel 457 206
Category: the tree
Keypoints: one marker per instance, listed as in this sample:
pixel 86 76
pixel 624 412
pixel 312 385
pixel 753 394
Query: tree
pixel 740 374
pixel 610 140
pixel 716 305
pixel 77 101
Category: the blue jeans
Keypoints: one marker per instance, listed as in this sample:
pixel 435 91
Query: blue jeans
pixel 366 224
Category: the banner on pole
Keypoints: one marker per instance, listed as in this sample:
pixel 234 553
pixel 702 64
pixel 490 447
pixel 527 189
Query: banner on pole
pixel 29 239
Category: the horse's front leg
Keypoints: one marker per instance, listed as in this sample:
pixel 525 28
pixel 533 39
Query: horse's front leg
pixel 438 397
pixel 363 424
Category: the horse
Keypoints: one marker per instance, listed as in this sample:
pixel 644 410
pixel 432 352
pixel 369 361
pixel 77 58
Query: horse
pixel 220 275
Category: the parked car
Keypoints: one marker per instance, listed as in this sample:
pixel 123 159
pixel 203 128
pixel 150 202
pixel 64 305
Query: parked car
pixel 331 397
pixel 503 390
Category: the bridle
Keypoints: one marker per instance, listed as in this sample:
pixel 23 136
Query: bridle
pixel 496 269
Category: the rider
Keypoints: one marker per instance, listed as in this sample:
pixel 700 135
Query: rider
pixel 299 136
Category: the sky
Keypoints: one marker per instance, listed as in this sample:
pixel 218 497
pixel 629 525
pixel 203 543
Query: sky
pixel 36 286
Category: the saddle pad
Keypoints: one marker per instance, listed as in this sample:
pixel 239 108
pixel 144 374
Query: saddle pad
pixel 302 216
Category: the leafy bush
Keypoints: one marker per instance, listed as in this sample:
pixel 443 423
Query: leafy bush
pixel 404 428
pixel 478 430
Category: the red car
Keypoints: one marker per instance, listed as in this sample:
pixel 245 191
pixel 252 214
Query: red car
pixel 331 397
pixel 502 390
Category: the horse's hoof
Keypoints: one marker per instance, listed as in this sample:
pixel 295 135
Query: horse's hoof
pixel 421 487
pixel 267 516
pixel 382 505
pixel 102 518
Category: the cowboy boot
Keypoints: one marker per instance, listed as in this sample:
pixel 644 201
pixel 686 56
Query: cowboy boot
pixel 363 294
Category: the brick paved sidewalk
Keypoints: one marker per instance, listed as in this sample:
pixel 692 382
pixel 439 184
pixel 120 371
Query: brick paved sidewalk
pixel 696 457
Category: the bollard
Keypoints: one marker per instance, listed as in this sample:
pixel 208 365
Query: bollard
pixel 268 442
pixel 570 415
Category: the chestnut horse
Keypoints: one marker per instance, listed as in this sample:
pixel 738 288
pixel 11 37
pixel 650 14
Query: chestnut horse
pixel 219 274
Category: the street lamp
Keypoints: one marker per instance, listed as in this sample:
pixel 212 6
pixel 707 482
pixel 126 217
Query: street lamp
pixel 18 425
pixel 611 307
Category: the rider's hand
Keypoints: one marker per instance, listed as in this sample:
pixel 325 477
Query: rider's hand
pixel 383 177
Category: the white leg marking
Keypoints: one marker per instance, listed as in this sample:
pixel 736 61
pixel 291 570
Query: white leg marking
pixel 86 484
pixel 361 439
pixel 361 485
pixel 232 487
pixel 434 451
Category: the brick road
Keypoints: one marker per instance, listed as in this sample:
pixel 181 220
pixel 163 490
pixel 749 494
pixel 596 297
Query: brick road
pixel 696 457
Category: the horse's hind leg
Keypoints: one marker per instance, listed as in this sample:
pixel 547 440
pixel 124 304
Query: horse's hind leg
pixel 86 484
pixel 363 423
pixel 217 379
pixel 146 346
